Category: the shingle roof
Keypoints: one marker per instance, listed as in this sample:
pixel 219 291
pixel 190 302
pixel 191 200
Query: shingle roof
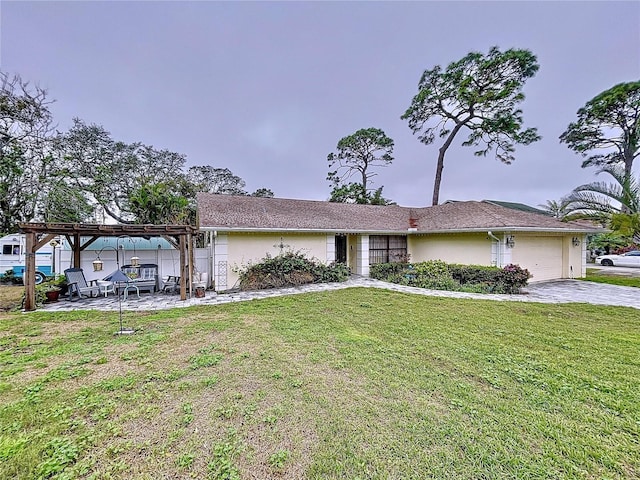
pixel 460 216
pixel 231 212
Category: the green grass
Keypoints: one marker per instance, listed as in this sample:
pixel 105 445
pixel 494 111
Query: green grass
pixel 357 383
pixel 10 296
pixel 600 276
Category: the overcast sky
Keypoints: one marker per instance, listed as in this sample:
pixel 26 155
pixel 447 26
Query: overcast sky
pixel 267 89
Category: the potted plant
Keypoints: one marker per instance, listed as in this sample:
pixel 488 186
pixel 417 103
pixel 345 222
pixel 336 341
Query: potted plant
pixel 53 288
pixel 52 292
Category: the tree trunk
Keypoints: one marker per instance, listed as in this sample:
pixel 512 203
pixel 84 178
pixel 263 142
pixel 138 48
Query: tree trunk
pixel 440 165
pixel 438 179
pixel 628 172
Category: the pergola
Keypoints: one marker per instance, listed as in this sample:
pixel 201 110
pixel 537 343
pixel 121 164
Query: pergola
pixel 38 234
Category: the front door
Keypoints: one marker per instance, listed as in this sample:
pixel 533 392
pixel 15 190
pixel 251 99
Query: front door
pixel 341 249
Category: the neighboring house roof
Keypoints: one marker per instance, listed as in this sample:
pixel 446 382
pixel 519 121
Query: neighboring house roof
pixel 245 213
pixel 513 205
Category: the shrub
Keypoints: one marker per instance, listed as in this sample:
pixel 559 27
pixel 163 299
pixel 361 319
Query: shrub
pixel 513 278
pixel 9 277
pixel 436 274
pixel 382 271
pixel 474 273
pixel 334 272
pixel 433 274
pixel 289 270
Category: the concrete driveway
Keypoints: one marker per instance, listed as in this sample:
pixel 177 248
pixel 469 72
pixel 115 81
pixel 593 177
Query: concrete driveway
pixel 567 291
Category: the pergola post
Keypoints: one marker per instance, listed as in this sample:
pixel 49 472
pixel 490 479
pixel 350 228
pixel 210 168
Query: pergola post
pixel 191 262
pixel 183 267
pixel 76 250
pixel 29 276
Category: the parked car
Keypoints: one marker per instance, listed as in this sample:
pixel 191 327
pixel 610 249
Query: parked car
pixel 629 259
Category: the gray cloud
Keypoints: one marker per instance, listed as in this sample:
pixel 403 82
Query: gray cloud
pixel 267 89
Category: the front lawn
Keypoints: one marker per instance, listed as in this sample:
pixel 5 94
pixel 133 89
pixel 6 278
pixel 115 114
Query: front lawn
pixel 601 276
pixel 10 296
pixel 357 383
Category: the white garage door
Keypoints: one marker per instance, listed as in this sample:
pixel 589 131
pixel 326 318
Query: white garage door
pixel 542 256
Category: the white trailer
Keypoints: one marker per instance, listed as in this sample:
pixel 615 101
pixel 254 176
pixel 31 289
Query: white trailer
pixel 12 257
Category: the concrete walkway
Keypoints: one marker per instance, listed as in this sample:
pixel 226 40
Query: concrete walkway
pixel 562 291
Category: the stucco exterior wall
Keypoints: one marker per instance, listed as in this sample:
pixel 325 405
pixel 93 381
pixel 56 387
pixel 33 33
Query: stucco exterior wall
pixel 352 252
pixel 469 249
pixel 547 257
pixel 245 248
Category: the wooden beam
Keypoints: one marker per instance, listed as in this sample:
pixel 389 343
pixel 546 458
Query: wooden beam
pixel 29 277
pixel 45 240
pixel 175 244
pixel 89 242
pixel 89 229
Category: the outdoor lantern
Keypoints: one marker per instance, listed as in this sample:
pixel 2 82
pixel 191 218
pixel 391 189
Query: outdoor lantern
pixel 97 265
pixel 575 241
pixel 510 241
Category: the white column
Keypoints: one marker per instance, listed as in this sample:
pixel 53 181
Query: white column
pixel 362 259
pixel 221 262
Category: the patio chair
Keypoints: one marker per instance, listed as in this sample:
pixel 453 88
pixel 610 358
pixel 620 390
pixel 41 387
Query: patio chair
pixel 78 286
pixel 171 284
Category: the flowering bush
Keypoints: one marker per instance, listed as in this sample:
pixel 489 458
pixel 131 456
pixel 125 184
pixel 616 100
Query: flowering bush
pixel 288 270
pixel 513 278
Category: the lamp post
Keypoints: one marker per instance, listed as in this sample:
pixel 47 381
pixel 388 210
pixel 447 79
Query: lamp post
pixel 116 277
pixel 119 277
pixel 53 243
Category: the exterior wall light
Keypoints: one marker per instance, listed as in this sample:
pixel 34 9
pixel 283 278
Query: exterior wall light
pixel 510 241
pixel 575 241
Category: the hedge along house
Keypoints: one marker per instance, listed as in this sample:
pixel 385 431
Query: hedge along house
pixel 243 230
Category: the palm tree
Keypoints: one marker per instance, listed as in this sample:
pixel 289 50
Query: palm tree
pixel 556 208
pixel 600 200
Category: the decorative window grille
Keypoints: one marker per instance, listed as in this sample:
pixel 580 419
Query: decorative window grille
pixel 387 248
